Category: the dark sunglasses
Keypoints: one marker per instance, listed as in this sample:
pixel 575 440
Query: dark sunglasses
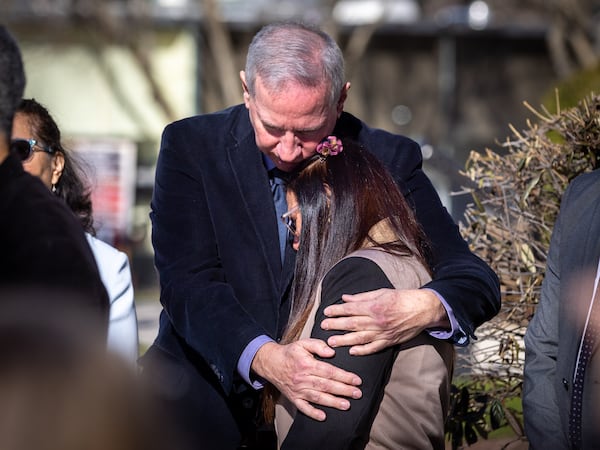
pixel 24 148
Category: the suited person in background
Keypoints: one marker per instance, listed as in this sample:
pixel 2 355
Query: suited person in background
pixel 225 272
pixel 553 342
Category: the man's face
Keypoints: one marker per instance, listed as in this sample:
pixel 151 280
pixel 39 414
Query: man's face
pixel 290 124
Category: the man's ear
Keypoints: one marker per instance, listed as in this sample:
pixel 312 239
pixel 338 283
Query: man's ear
pixel 245 88
pixel 342 98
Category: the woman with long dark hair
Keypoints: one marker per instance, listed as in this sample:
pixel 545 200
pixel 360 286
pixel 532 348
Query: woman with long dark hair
pixel 354 232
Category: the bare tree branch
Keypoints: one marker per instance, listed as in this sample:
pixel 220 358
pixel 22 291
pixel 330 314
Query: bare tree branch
pixel 223 56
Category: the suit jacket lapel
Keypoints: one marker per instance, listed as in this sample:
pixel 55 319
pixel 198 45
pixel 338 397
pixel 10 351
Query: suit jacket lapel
pixel 255 192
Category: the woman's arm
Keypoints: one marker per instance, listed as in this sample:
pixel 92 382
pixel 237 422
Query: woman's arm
pixel 346 429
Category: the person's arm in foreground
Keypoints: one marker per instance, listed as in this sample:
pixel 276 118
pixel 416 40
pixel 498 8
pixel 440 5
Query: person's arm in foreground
pixel 469 288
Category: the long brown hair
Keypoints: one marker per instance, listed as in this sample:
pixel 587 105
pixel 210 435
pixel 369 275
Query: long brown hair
pixel 341 198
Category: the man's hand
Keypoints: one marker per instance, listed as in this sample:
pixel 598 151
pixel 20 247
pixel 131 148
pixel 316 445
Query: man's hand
pixel 296 373
pixel 382 318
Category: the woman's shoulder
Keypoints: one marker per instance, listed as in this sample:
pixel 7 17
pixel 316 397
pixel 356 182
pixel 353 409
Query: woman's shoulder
pixel 403 271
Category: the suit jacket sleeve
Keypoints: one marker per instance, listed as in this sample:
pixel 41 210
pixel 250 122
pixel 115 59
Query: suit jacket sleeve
pixel 346 429
pixel 198 299
pixel 467 284
pixel 540 406
pixel 552 338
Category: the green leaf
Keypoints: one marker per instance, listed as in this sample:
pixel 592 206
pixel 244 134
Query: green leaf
pixel 478 203
pixel 529 188
pixel 496 414
pixel 527 257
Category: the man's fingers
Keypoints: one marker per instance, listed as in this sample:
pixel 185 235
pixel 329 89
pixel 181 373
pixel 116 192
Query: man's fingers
pixel 337 383
pixel 319 398
pixel 362 343
pixel 312 412
pixel 369 349
pixel 331 379
pixel 324 372
pixel 316 347
pixel 346 309
pixel 350 323
pixel 355 338
pixel 365 296
pixel 331 401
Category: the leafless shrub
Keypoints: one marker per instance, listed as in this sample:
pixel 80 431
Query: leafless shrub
pixel 516 195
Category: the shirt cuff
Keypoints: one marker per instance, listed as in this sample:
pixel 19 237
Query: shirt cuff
pixel 245 361
pixel 456 333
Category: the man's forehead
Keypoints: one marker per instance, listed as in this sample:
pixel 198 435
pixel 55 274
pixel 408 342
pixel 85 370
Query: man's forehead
pixel 291 122
pixel 283 112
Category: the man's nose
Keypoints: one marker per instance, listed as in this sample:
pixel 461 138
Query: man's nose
pixel 289 144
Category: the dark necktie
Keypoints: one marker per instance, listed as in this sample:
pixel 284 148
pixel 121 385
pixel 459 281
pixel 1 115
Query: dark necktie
pixel 278 179
pixel 590 339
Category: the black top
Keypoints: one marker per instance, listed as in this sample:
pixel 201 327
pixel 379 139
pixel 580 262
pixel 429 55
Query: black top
pixel 43 250
pixel 346 429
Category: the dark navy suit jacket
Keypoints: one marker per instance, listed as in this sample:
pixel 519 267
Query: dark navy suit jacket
pixel 216 241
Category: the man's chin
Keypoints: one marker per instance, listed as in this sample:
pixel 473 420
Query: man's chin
pixel 287 166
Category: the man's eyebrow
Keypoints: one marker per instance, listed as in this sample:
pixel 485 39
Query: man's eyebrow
pixel 269 125
pixel 296 130
pixel 310 129
pixel 266 124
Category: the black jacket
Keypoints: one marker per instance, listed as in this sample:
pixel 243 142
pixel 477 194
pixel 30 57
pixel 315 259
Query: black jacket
pixel 43 249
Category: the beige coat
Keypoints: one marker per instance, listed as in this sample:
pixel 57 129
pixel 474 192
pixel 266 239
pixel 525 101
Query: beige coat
pixel 415 402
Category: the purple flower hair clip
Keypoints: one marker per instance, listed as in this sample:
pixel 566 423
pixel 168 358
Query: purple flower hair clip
pixel 331 145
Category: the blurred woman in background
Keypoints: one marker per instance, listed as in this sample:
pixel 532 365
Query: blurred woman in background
pixel 36 140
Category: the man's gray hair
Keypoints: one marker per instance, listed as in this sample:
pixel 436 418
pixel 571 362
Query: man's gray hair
pixel 286 52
